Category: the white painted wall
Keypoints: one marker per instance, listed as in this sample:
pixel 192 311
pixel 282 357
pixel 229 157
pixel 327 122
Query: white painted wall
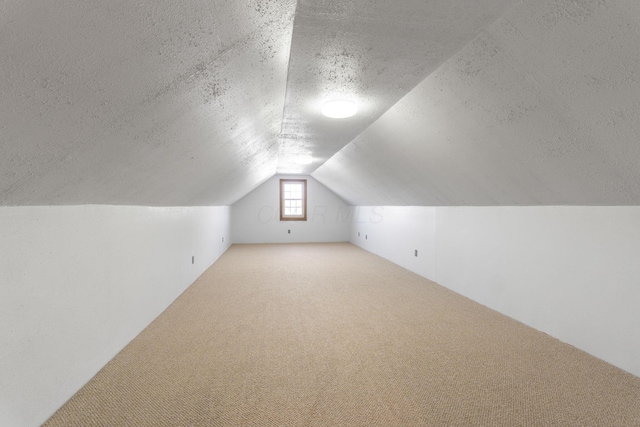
pixel 572 272
pixel 77 283
pixel 395 233
pixel 256 217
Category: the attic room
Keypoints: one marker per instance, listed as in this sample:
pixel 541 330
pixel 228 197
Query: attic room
pixel 491 159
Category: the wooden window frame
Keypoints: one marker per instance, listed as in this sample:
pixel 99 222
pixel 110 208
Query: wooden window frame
pixel 283 217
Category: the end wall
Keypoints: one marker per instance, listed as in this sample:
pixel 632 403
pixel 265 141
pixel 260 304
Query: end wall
pixel 572 272
pixel 79 282
pixel 256 217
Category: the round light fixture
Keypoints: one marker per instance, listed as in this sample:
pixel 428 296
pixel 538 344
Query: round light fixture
pixel 303 160
pixel 339 108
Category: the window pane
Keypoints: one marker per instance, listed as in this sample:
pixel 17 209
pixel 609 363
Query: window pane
pixel 292 199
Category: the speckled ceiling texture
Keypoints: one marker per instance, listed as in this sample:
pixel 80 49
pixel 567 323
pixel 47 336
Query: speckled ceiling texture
pixel 541 108
pixel 491 102
pixel 370 51
pixel 143 103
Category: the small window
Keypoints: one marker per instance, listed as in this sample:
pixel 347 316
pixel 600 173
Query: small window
pixel 293 200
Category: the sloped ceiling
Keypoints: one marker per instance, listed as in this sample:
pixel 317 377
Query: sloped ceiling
pixel 140 102
pixel 541 108
pixel 491 102
pixel 369 51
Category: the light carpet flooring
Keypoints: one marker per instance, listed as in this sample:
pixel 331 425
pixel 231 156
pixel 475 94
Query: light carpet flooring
pixel 331 335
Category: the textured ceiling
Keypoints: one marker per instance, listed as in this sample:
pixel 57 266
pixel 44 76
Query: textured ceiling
pixel 143 103
pixel 491 102
pixel 370 51
pixel 541 108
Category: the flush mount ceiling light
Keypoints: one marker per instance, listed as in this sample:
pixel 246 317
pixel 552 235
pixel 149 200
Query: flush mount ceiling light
pixel 339 108
pixel 298 160
pixel 294 163
pixel 304 160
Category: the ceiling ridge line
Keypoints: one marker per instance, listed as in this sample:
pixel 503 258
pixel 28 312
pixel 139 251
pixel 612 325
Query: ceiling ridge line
pixel 286 88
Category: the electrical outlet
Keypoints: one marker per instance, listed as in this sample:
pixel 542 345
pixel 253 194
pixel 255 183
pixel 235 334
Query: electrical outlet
pixel 416 252
pixel 193 260
pixel 288 231
pixel 358 234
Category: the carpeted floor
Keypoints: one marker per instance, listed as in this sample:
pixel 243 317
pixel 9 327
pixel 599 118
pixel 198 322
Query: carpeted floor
pixel 331 335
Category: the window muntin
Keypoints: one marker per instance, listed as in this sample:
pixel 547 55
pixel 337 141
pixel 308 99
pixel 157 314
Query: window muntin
pixel 293 200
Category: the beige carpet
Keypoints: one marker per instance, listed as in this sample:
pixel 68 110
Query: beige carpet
pixel 331 335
